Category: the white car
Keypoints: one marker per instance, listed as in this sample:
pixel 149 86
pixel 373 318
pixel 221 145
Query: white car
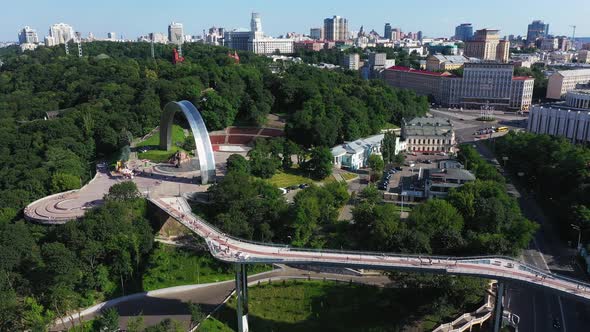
pixel 283 191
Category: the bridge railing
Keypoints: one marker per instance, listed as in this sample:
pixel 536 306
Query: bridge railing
pixel 484 260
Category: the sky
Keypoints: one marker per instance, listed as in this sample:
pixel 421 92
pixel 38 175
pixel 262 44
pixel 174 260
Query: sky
pixel 132 18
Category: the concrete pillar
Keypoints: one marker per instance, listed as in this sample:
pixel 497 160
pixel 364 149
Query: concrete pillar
pixel 242 297
pixel 498 307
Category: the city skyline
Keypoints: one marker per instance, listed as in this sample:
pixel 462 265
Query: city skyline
pixel 132 19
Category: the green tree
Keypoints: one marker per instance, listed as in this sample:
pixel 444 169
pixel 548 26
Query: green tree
pixel 109 320
pixel 64 182
pixel 376 164
pixel 388 147
pixel 320 163
pixel 237 163
pixel 197 315
pixel 123 191
pixel 217 112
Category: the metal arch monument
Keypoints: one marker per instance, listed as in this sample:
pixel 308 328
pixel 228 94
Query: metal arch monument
pixel 200 134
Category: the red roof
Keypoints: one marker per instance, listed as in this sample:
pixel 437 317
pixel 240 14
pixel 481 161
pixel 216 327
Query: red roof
pixel 522 78
pixel 418 71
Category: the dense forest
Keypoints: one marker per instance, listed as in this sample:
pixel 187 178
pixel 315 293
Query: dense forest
pixel 96 104
pixel 556 172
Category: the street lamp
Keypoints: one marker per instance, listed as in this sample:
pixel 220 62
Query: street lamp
pixel 577 228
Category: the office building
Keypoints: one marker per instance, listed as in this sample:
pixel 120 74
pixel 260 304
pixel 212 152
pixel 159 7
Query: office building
pixel 584 56
pixel 351 61
pixel 175 33
pixel 60 33
pixel 438 62
pixel 419 35
pixel 387 31
pixel 396 34
pixel 112 36
pixel 486 45
pixel 536 30
pixel 28 36
pixel 214 36
pixel 563 81
pixel 464 32
pixel 311 45
pixel 316 33
pixel 548 44
pixel 569 119
pixel 158 38
pixel 255 40
pixel 336 28
pixel 482 84
pixel 428 135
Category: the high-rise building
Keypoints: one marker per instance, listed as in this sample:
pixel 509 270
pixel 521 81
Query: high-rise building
pixel 387 32
pixel 482 84
pixel 28 36
pixel 396 34
pixel 536 30
pixel 486 45
pixel 60 33
pixel 563 81
pixel 351 61
pixel 255 40
pixel 112 36
pixel 336 28
pixel 316 33
pixel 419 35
pixel 464 32
pixel 175 33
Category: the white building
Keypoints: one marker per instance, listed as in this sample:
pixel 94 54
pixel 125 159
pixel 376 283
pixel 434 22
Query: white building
pixel 175 33
pixel 28 36
pixel 351 61
pixel 570 119
pixel 354 155
pixel 60 33
pixel 254 40
pixel 564 80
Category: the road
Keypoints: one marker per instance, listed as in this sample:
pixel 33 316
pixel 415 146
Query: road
pixel 173 304
pixel 538 308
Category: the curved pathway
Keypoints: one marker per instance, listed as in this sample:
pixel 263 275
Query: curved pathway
pixel 172 302
pixel 234 250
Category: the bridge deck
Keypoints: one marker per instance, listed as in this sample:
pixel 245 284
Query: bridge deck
pixel 234 250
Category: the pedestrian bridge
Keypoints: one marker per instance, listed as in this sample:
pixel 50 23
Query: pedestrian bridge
pixel 234 250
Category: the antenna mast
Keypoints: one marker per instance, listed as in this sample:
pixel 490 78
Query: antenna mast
pixel 573 37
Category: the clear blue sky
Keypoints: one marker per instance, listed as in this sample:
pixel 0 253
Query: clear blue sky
pixel 132 18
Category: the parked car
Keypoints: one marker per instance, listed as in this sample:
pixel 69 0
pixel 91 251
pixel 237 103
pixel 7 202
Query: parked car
pixel 303 186
pixel 283 191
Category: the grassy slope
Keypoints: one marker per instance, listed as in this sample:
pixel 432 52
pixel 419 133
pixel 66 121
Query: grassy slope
pixel 153 142
pixel 170 266
pixel 328 306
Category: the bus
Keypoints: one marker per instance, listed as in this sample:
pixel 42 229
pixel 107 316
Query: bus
pixel 502 129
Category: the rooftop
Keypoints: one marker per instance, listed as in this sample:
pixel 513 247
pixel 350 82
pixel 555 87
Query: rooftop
pixel 522 78
pixel 573 72
pixel 428 127
pixel 451 58
pixel 419 71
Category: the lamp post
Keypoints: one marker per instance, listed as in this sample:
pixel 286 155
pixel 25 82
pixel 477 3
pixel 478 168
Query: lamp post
pixel 577 228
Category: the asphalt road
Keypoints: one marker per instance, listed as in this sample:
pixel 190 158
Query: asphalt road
pixel 157 308
pixel 537 308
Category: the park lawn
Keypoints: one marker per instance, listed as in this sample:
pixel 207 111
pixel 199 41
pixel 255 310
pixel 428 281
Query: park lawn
pixel 348 176
pixel 282 179
pixel 213 325
pixel 170 266
pixel 329 306
pixel 153 142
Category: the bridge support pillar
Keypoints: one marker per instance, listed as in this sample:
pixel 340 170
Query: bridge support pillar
pixel 498 307
pixel 242 294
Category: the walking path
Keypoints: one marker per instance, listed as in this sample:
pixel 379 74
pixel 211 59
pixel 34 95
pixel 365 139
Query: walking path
pixel 234 250
pixel 157 305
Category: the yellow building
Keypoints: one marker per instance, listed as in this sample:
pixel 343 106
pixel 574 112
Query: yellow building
pixel 486 45
pixel 437 62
